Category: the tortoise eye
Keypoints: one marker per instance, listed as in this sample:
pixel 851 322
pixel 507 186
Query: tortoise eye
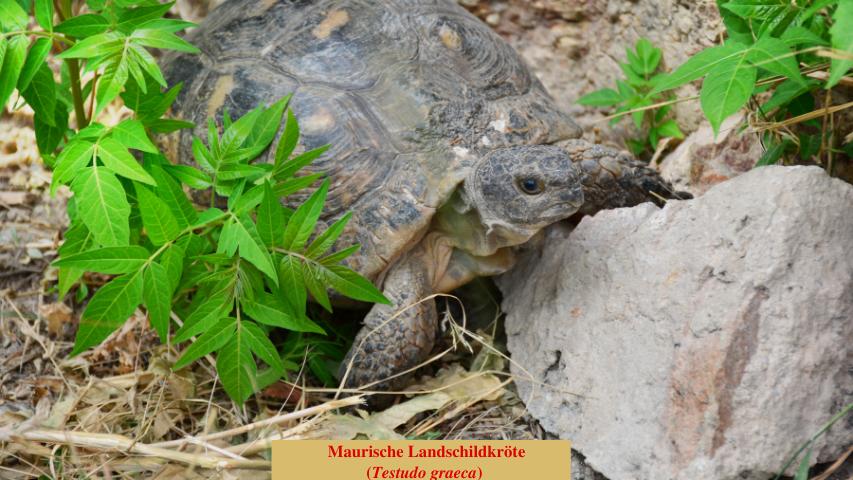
pixel 530 186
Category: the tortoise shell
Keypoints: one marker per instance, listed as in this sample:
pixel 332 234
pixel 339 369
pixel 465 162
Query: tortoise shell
pixel 409 93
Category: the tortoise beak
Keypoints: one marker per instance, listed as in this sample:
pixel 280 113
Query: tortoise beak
pixel 573 196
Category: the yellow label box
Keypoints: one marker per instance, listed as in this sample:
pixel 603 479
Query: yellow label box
pixel 421 459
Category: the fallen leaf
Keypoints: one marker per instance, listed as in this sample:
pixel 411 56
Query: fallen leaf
pixel 57 315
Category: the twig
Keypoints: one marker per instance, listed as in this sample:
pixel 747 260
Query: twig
pixel 260 444
pixel 108 442
pixel 804 117
pixel 277 420
pixel 835 465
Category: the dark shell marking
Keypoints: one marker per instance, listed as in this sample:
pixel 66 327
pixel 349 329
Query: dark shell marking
pixel 400 89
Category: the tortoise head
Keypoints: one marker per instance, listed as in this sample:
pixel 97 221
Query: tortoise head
pixel 519 190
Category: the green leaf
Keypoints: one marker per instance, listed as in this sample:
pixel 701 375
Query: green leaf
pixel 352 285
pixel 670 128
pixel 773 154
pixel 41 93
pixel 157 296
pixel 295 184
pixel 633 78
pixel 206 315
pixel 302 223
pixel 803 469
pixel 167 24
pixel 131 134
pixel 785 92
pixel 129 20
pixel 292 286
pixel 110 260
pixel 757 9
pixel 236 134
pixel 236 171
pixel 601 98
pixel 325 240
pixel 82 26
pixel 96 46
pixel 737 28
pixel 109 308
pixel 109 86
pixel 162 39
pixel 841 34
pixel 12 16
pixel 815 7
pixel 103 206
pixel 167 125
pixel 173 195
pixel 338 256
pixel 159 222
pixel 208 216
pixel 149 64
pixel 44 14
pixel 35 60
pixel 48 136
pixel 212 340
pixel 116 157
pixel 73 158
pixel 261 345
pixel 237 369
pixel 649 56
pixel 270 218
pixel 203 156
pixel 286 169
pixel 251 247
pixel 13 61
pixel 190 176
pixel 266 126
pixel 800 36
pixel 774 56
pixel 313 278
pixel 77 239
pixel 289 138
pixel 809 145
pixel 173 261
pixel 710 59
pixel 270 310
pixel 725 91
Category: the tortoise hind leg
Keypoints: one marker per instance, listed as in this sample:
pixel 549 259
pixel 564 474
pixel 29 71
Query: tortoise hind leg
pixel 399 336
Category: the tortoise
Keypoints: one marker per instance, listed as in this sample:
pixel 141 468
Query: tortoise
pixel 445 147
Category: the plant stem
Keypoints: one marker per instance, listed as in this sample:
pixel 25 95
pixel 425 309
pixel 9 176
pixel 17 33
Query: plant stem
pixel 65 12
pixel 77 93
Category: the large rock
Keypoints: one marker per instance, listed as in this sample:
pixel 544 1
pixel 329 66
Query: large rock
pixel 704 340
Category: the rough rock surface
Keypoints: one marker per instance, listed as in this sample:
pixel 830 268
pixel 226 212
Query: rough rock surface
pixel 576 46
pixel 707 339
pixel 703 160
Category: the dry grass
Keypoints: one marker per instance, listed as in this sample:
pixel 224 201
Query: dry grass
pixel 118 411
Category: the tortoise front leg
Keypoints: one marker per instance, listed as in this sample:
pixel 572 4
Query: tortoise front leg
pixel 399 336
pixel 612 179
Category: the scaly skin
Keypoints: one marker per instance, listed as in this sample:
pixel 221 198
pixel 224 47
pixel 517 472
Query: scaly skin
pixel 614 179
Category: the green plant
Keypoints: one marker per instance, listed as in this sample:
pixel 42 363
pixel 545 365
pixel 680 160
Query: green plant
pixel 227 275
pixel 803 467
pixel 642 73
pixel 781 48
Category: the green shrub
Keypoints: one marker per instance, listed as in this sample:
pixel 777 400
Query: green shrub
pixel 793 53
pixel 642 74
pixel 228 275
